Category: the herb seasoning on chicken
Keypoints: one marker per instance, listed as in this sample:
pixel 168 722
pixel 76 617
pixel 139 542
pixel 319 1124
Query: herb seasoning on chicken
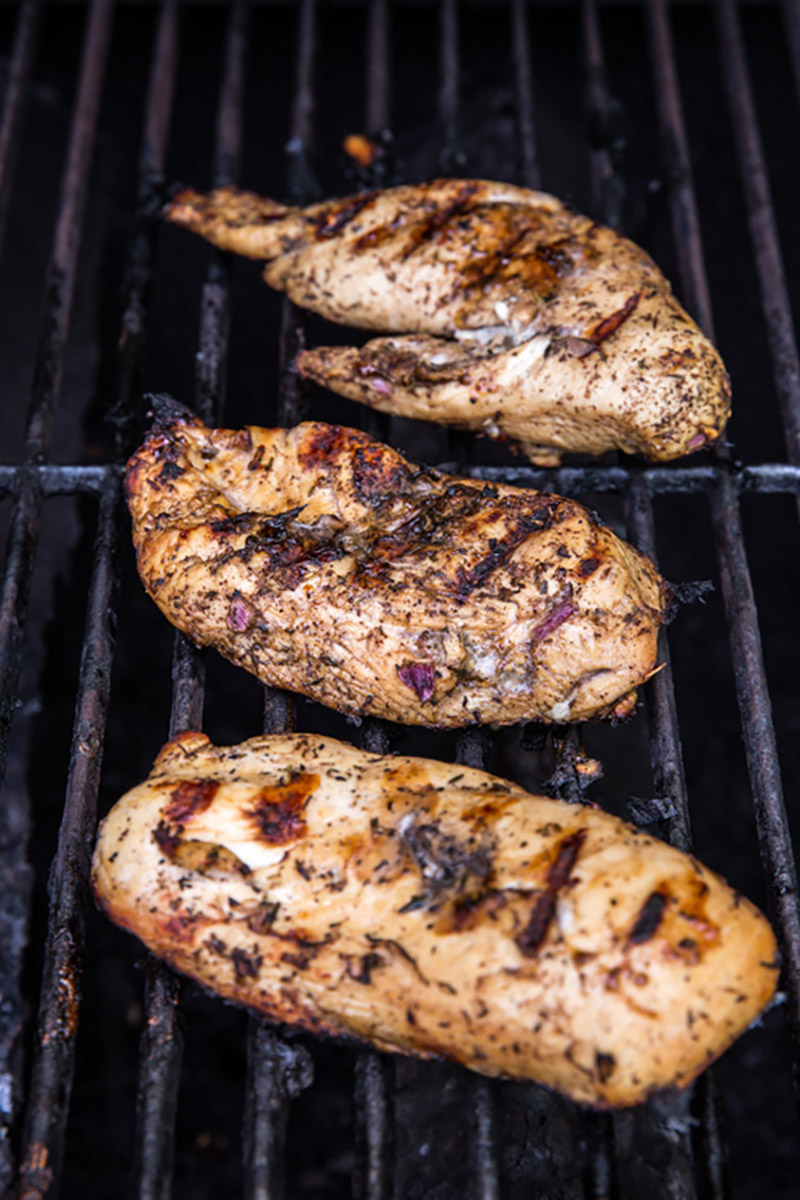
pixel 323 562
pixel 435 910
pixel 518 318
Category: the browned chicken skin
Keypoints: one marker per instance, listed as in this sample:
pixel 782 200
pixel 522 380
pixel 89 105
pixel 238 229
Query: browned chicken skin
pixel 322 561
pixel 519 318
pixel 436 910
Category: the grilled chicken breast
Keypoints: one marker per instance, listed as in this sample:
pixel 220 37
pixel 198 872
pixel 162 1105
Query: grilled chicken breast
pixel 519 318
pixel 323 562
pixel 435 910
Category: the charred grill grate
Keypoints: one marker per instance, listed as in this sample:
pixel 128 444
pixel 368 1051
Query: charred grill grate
pixel 503 1141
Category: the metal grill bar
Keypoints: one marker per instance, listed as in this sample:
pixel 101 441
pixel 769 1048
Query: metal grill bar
pixel 15 99
pixel 450 158
pixel 277 1071
pixel 763 230
pixel 49 358
pixel 137 280
pixel 751 684
pixel 767 478
pixel 664 1125
pixel 292 391
pixel 529 173
pixel 24 524
pixel 162 1043
pixel 678 170
pixel 378 96
pixel 51 1077
pixel 471 750
pixel 791 18
pixel 53 1066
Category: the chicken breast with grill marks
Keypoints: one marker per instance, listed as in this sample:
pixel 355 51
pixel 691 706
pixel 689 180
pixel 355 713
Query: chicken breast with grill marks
pixel 519 318
pixel 323 562
pixel 435 910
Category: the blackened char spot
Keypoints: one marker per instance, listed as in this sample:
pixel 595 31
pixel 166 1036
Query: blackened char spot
pixel 278 811
pixel 649 919
pixel 263 918
pixel 605 1064
pixel 544 906
pixel 377 475
pixel 190 797
pixel 324 445
pixel 170 471
pixel 166 839
pixel 366 965
pixel 588 566
pixel 446 864
pixel 340 213
pixel 501 550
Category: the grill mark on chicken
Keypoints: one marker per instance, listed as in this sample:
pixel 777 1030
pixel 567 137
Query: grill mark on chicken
pixel 278 811
pixel 336 216
pixel 649 919
pixel 190 797
pixel 500 551
pixel 426 229
pixel 544 906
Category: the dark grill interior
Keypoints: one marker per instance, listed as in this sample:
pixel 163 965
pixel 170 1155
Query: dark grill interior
pixel 663 120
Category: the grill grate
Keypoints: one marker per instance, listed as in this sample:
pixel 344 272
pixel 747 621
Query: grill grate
pixel 673 1146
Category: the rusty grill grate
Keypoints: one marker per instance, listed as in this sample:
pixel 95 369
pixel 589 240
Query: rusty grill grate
pixel 230 85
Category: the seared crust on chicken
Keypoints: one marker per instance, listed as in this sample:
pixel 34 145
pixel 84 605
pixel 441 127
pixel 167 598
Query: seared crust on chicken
pixel 523 320
pixel 435 910
pixel 323 562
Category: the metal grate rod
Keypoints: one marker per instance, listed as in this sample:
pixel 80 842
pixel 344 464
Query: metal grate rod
pixel 24 524
pixel 49 358
pixel 378 97
pixel 292 391
pixel 678 170
pixel 162 1042
pixel 768 478
pixel 137 279
pixel 54 1056
pixel 763 229
pixel 471 750
pixel 529 173
pixel 450 157
pixel 737 590
pixel 15 100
